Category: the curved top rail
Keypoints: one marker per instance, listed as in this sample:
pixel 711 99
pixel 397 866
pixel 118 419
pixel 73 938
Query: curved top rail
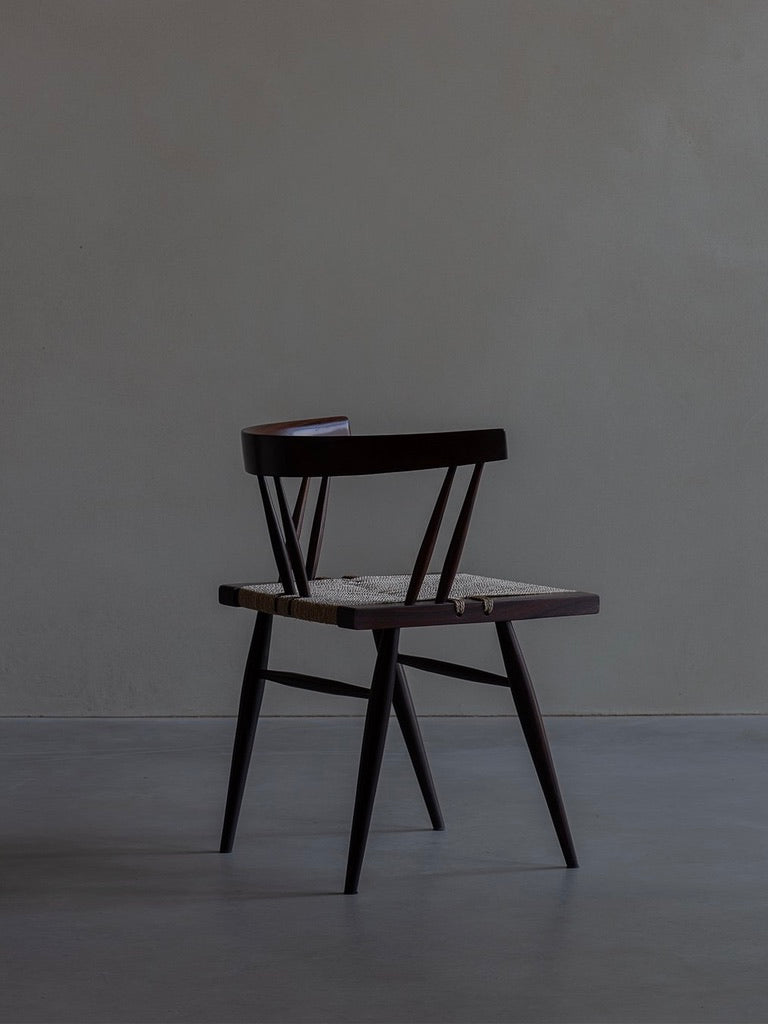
pixel 271 450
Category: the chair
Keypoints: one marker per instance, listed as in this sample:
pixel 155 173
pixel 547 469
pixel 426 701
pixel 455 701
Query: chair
pixel 325 448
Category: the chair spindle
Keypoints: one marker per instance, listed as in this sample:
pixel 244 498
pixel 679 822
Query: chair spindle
pixel 301 504
pixel 455 548
pixel 430 538
pixel 276 539
pixel 295 556
pixel 318 526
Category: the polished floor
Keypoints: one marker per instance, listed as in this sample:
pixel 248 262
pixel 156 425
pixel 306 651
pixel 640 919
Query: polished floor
pixel 115 906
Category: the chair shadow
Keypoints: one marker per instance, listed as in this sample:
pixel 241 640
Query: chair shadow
pixel 100 870
pixel 70 869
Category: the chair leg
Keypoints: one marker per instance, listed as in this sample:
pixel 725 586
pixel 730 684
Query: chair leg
pixel 409 726
pixel 533 729
pixel 374 735
pixel 247 719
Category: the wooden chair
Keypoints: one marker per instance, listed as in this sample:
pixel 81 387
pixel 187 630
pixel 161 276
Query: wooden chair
pixel 325 448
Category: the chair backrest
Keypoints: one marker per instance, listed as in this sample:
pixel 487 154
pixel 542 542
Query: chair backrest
pixel 325 448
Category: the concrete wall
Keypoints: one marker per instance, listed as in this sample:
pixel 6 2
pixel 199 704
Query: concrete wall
pixel 545 216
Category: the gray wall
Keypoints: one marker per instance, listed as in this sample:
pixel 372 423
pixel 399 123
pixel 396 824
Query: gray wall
pixel 545 216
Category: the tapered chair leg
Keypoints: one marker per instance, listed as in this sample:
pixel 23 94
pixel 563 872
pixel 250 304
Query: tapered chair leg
pixel 374 735
pixel 247 719
pixel 533 729
pixel 409 726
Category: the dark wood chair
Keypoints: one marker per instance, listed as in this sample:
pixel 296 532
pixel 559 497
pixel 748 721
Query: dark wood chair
pixel 325 448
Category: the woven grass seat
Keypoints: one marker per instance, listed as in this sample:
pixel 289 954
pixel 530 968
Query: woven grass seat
pixel 331 598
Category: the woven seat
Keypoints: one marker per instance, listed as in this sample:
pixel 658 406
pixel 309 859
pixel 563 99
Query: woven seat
pixel 330 597
pixel 307 450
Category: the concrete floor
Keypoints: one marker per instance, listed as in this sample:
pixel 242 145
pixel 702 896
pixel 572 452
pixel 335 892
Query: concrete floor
pixel 115 907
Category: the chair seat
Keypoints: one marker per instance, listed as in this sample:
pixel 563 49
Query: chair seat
pixel 376 602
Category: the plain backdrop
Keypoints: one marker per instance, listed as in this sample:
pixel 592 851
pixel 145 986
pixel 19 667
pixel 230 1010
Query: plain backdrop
pixel 545 216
